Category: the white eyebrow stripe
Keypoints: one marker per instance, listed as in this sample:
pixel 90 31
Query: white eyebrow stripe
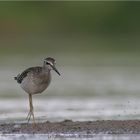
pixel 50 63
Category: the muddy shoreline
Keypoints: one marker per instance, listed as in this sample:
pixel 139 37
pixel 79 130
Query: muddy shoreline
pixel 70 127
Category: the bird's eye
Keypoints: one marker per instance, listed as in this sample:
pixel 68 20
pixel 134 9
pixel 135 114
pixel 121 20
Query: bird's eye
pixel 47 63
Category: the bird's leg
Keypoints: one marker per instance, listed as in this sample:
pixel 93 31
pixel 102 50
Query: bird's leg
pixel 31 111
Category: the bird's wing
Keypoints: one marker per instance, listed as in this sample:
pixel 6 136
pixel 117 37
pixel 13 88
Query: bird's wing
pixel 21 76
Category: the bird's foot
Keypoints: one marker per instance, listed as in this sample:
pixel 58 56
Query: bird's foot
pixel 28 118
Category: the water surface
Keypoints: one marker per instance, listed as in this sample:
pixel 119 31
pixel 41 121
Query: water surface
pixel 68 137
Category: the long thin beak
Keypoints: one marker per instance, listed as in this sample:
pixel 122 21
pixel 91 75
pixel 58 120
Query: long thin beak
pixel 54 68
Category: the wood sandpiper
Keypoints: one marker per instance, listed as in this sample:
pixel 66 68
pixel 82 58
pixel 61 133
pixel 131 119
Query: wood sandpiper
pixel 35 80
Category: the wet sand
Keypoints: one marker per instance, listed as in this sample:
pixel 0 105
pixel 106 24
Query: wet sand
pixel 70 127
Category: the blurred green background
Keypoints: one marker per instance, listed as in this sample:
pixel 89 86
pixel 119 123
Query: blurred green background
pixel 96 45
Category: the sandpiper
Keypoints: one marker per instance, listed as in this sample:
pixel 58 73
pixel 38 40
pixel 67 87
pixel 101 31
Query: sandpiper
pixel 35 80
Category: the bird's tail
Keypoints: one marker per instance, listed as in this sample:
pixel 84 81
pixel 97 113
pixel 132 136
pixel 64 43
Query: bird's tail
pixel 17 78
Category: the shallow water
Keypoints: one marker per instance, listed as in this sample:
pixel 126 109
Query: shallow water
pixel 83 109
pixel 80 94
pixel 56 109
pixel 68 137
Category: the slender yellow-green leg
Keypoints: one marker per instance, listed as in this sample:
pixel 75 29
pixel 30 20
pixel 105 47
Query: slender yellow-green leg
pixel 31 111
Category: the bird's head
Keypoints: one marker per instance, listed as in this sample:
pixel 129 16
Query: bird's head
pixel 50 62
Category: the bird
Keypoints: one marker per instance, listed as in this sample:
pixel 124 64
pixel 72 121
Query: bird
pixel 35 80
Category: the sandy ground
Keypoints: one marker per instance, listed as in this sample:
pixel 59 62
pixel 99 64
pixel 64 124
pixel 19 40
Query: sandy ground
pixel 70 127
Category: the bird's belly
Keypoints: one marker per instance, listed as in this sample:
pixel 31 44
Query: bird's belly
pixel 32 87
